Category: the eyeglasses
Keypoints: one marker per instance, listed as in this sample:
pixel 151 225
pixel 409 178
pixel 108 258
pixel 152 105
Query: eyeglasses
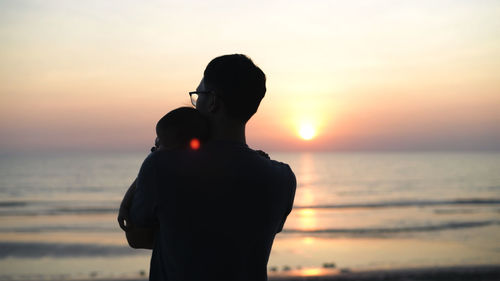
pixel 195 94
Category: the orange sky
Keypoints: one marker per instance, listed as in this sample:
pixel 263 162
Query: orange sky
pixel 366 75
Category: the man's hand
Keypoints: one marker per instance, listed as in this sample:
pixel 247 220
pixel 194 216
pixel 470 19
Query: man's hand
pixel 263 154
pixel 141 237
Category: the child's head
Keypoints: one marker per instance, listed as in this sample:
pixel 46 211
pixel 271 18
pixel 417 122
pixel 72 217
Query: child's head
pixel 179 127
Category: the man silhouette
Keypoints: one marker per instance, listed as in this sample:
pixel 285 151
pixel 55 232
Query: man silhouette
pixel 216 209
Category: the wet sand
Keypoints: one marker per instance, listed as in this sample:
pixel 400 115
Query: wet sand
pixel 462 273
pixel 487 273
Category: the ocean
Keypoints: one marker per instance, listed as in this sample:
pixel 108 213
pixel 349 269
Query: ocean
pixel 351 211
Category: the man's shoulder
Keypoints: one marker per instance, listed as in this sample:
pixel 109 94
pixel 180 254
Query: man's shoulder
pixel 262 158
pixel 221 157
pixel 166 156
pixel 273 167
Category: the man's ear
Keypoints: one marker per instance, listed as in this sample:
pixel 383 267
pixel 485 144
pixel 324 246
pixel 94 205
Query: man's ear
pixel 213 104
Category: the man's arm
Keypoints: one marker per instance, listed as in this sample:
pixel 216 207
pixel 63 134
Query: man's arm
pixel 136 216
pixel 141 237
pixel 292 184
pixel 137 237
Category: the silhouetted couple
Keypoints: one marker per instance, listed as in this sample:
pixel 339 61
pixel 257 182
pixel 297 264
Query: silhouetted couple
pixel 207 204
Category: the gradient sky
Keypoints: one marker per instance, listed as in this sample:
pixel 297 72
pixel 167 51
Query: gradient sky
pixel 367 75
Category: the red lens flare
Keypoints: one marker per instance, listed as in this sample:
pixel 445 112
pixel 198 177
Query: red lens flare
pixel 194 144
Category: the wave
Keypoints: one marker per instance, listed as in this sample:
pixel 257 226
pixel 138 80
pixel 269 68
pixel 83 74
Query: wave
pixel 394 230
pixel 38 208
pixel 350 232
pixel 39 250
pixel 409 203
pixel 59 211
pixel 9 204
pixel 52 208
pixel 61 228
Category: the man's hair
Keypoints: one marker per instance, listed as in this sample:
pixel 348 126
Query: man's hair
pixel 183 124
pixel 238 82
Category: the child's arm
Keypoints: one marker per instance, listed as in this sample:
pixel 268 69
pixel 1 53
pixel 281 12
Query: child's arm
pixel 123 214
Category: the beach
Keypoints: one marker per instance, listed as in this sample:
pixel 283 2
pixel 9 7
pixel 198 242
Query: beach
pixel 487 273
pixel 465 273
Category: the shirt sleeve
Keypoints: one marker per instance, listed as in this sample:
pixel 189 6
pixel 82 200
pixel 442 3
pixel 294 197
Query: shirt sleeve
pixel 143 207
pixel 292 185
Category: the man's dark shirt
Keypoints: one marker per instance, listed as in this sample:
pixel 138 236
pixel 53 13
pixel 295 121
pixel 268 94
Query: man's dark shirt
pixel 218 209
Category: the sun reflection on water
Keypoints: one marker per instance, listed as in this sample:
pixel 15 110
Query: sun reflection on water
pixel 308 240
pixel 307 171
pixel 307 219
pixel 311 272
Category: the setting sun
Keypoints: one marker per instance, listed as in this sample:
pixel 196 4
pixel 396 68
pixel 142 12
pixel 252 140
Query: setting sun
pixel 307 132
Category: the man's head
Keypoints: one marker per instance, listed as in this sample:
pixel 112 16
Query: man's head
pixel 236 82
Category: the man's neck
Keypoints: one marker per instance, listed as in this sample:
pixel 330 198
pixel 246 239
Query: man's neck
pixel 228 131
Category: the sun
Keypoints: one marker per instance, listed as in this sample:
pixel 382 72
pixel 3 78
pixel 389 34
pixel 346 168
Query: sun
pixel 307 132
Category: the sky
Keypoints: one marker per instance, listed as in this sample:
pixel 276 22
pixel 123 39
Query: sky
pixel 355 75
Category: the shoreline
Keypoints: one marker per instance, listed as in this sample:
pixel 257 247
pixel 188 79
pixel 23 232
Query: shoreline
pixel 457 273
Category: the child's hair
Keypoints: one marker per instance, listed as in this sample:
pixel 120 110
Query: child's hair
pixel 181 126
